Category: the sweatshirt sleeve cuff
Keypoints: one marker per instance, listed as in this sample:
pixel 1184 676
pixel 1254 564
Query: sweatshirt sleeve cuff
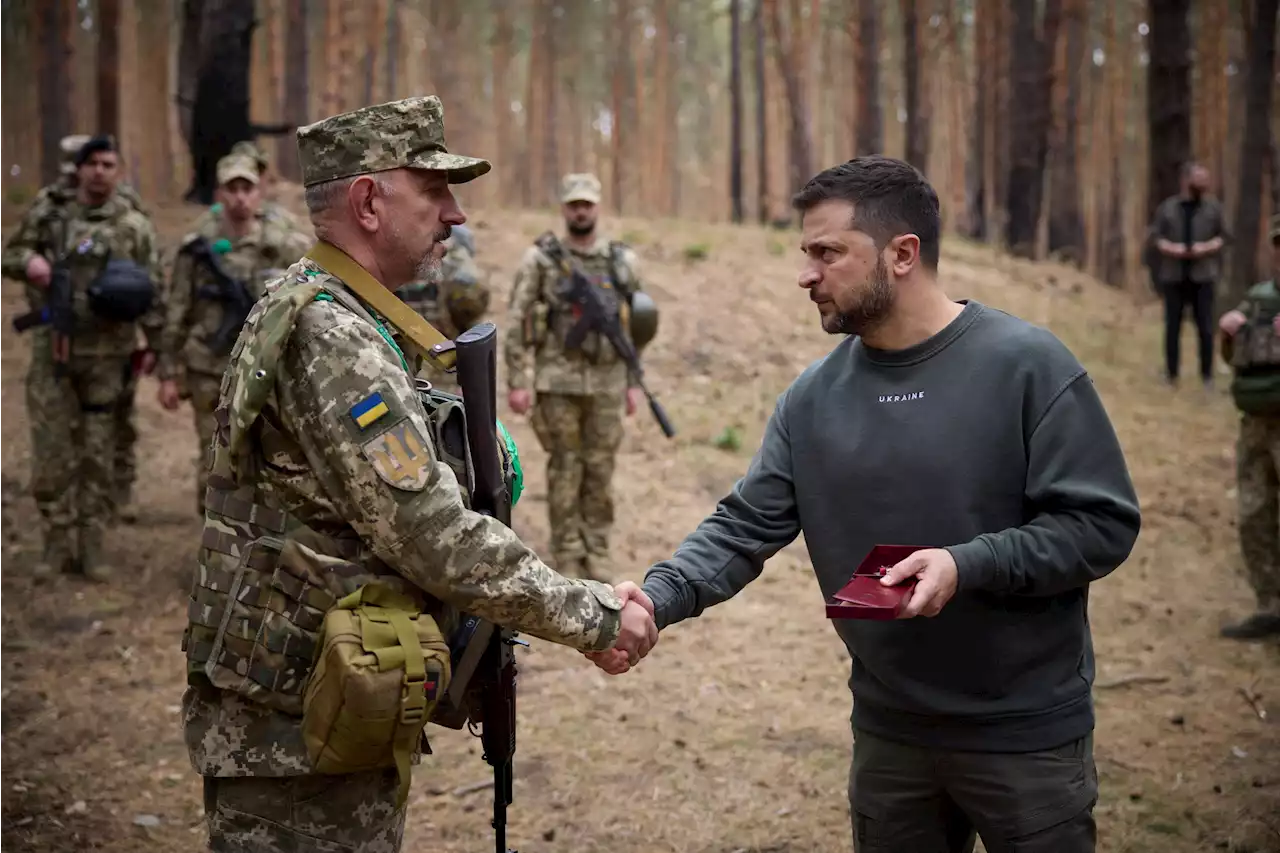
pixel 975 564
pixel 660 595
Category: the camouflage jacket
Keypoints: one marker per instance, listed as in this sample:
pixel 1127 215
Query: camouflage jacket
pixel 319 421
pixel 56 227
pixel 538 318
pixel 262 254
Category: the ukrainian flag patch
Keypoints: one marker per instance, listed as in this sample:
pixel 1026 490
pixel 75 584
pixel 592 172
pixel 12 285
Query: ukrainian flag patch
pixel 369 410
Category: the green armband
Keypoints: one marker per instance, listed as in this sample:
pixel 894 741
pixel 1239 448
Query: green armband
pixel 514 454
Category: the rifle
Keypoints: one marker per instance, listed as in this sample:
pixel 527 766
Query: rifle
pixel 481 646
pixel 233 293
pixel 57 314
pixel 598 314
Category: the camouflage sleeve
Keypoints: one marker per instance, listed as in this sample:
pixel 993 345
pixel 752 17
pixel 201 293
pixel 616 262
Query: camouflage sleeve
pixel 176 327
pixel 524 295
pixel 147 254
pixel 24 244
pixel 353 409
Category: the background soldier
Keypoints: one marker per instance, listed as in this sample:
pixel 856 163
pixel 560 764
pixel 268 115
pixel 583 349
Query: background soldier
pixel 200 323
pixel 1251 343
pixel 76 381
pixel 270 208
pixel 324 439
pixel 580 393
pixel 456 302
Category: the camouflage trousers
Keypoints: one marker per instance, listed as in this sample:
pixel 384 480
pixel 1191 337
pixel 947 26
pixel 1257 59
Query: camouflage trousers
pixel 581 434
pixel 203 390
pixel 126 461
pixel 355 813
pixel 1258 489
pixel 74 449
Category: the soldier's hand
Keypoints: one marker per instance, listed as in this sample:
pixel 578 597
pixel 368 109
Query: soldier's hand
pixel 633 400
pixel 168 394
pixel 638 635
pixel 1233 320
pixel 39 271
pixel 520 399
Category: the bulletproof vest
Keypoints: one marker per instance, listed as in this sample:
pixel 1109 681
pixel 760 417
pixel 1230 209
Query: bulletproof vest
pixel 122 292
pixel 264 579
pixel 1256 344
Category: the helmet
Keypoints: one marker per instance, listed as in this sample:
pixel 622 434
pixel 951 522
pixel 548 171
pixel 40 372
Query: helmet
pixel 643 324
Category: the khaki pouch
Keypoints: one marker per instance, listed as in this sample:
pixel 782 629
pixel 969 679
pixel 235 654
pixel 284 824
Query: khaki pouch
pixel 382 667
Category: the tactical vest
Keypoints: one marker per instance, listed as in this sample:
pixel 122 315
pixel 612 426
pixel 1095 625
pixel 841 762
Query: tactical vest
pixel 265 580
pixel 607 273
pixel 1255 355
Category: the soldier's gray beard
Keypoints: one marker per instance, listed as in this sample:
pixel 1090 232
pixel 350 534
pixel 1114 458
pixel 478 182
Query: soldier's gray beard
pixel 872 309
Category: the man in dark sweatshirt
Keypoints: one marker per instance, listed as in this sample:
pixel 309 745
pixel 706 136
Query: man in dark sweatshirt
pixel 963 430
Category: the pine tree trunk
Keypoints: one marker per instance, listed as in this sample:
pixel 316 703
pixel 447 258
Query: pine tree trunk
pixel 1259 88
pixel 869 129
pixel 56 27
pixel 917 147
pixel 1168 98
pixel 500 50
pixel 620 73
pixel 799 137
pixel 108 24
pixel 762 120
pixel 1029 119
pixel 296 92
pixel 735 89
pixel 220 116
pixel 392 48
pixel 1066 227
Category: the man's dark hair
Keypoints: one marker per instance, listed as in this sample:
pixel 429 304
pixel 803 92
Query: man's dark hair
pixel 96 145
pixel 889 197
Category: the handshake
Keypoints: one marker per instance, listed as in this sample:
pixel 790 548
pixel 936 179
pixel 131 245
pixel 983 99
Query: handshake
pixel 637 635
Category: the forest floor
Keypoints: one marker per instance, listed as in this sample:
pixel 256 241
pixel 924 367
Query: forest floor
pixel 734 734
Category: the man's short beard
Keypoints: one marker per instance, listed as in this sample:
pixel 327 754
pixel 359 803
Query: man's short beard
pixel 872 309
pixel 580 230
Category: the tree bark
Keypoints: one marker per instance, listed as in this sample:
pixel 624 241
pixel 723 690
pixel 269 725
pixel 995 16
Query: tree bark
pixel 296 83
pixel 109 67
pixel 1066 225
pixel 799 137
pixel 975 166
pixel 762 120
pixel 1029 119
pixel 1259 86
pixel 392 48
pixel 1168 98
pixel 618 93
pixel 869 128
pixel 735 97
pixel 220 115
pixel 56 26
pixel 917 146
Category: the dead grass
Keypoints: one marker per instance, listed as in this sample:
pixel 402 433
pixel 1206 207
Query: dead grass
pixel 734 735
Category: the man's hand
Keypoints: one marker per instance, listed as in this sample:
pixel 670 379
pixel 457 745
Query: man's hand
pixel 1232 321
pixel 936 579
pixel 519 399
pixel 637 636
pixel 146 362
pixel 38 271
pixel 168 394
pixel 1173 250
pixel 1208 247
pixel 633 400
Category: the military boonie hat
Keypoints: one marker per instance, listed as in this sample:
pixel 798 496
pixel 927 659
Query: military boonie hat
pixel 580 186
pixel 70 146
pixel 395 135
pixel 237 166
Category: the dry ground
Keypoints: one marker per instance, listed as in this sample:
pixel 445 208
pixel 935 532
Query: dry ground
pixel 733 736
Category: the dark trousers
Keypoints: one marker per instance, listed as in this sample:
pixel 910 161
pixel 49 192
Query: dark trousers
pixel 907 799
pixel 1178 296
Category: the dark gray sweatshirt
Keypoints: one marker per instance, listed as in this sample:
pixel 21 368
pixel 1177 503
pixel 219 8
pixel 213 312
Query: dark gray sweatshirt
pixel 988 439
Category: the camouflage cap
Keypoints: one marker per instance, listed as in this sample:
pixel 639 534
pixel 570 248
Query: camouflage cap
pixel 237 166
pixel 395 135
pixel 246 148
pixel 70 146
pixel 580 186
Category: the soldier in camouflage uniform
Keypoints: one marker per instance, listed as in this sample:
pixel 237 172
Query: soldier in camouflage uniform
pixel 1251 343
pixel 326 476
pixel 253 249
pixel 270 208
pixel 580 394
pixel 57 195
pixel 453 304
pixel 73 397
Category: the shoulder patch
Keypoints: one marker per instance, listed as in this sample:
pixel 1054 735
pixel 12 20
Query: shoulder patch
pixel 369 410
pixel 401 456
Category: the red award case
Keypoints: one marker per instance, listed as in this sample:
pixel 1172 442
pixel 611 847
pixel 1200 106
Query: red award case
pixel 864 597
